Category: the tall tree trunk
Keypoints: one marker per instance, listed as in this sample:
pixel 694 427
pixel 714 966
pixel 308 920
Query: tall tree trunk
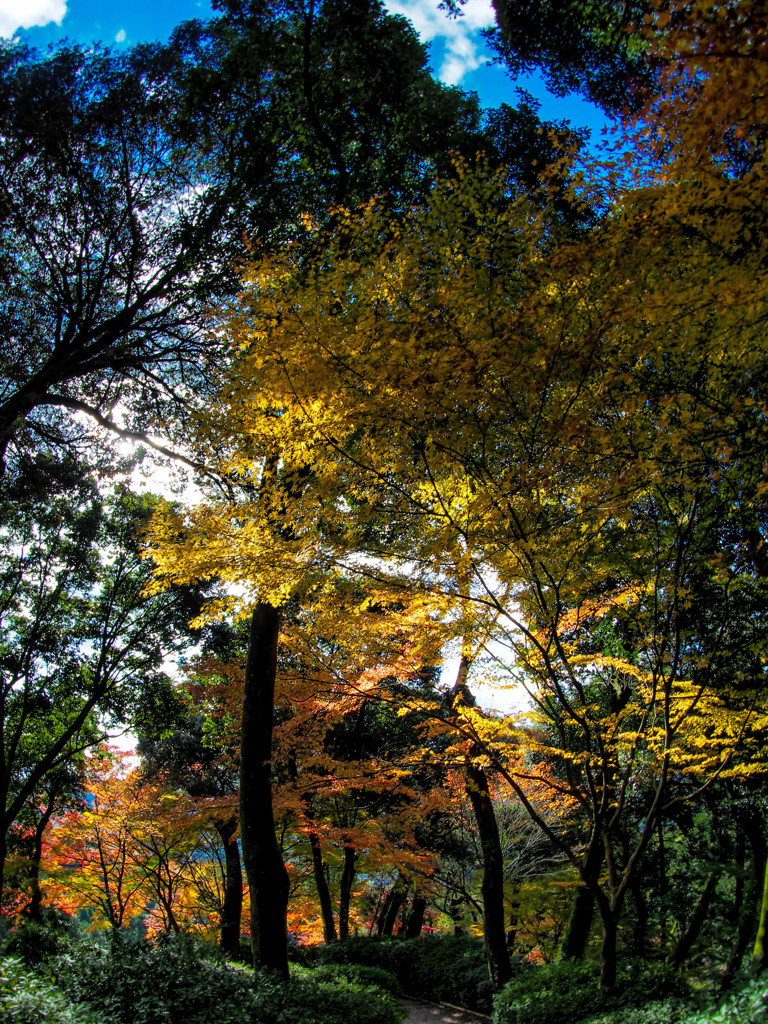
pixel 416 917
pixel 394 902
pixel 760 950
pixel 744 914
pixel 232 911
pixel 640 931
pixel 579 924
pixel 583 907
pixel 323 892
pixel 494 931
pixel 608 951
pixel 454 912
pixel 264 867
pixel 691 933
pixel 345 895
pixel 514 920
pixel 493 877
pixel 34 910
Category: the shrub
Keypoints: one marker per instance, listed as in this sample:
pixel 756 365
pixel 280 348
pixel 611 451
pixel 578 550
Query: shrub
pixel 35 943
pixel 747 1006
pixel 442 968
pixel 327 996
pixel 154 984
pixel 178 980
pixel 360 974
pixel 568 990
pixel 668 1011
pixel 27 998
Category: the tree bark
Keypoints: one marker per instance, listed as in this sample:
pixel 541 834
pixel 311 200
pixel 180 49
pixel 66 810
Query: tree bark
pixel 323 892
pixel 760 950
pixel 494 929
pixel 744 914
pixel 608 952
pixel 416 917
pixel 232 911
pixel 394 902
pixel 264 867
pixel 583 908
pixel 640 931
pixel 579 924
pixel 683 948
pixel 345 895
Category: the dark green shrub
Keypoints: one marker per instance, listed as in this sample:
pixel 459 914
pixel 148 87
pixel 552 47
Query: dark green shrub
pixel 670 1011
pixel 326 996
pixel 35 943
pixel 568 991
pixel 179 981
pixel 361 974
pixel 441 968
pixel 141 983
pixel 27 998
pixel 748 1005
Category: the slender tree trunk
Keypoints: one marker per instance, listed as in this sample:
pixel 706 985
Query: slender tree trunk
pixel 323 892
pixel 232 911
pixel 699 915
pixel 608 952
pixel 34 910
pixel 760 950
pixel 320 876
pixel 392 906
pixel 640 931
pixel 744 914
pixel 416 917
pixel 514 916
pixel 455 915
pixel 583 907
pixel 662 888
pixel 579 924
pixel 3 855
pixel 493 877
pixel 264 867
pixel 494 931
pixel 345 895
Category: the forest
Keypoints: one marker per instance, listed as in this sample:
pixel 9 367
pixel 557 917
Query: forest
pixel 439 640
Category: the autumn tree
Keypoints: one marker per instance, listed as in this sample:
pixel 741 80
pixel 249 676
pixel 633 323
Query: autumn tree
pixel 127 196
pixel 82 645
pixel 191 753
pixel 560 430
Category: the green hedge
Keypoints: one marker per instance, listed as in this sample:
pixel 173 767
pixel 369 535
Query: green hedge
pixel 568 991
pixel 441 968
pixel 182 982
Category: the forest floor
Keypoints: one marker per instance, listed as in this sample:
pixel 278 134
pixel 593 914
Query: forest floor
pixel 420 1012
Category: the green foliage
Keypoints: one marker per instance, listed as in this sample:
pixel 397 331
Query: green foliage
pixel 338 995
pixel 444 968
pixel 179 980
pixel 668 1011
pixel 35 943
pixel 28 998
pixel 361 974
pixel 568 990
pixel 747 1006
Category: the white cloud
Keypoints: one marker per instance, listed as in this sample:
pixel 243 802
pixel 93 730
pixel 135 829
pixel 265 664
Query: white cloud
pixel 463 46
pixel 16 14
pixel 120 37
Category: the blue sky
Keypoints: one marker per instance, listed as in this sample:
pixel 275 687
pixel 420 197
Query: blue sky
pixel 457 51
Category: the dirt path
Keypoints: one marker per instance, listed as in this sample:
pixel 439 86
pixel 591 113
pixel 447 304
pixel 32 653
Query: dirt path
pixel 420 1012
